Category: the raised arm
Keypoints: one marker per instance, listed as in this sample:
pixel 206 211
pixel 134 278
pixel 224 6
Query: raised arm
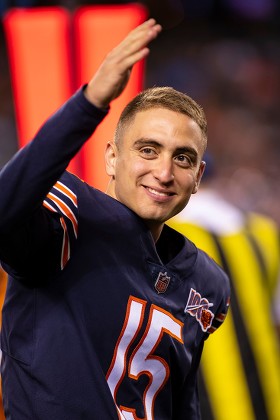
pixel 113 74
pixel 29 176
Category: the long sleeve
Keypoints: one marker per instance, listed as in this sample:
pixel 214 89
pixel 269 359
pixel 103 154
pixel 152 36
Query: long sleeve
pixel 29 176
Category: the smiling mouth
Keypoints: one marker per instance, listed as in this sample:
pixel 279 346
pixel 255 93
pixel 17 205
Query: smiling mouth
pixel 159 193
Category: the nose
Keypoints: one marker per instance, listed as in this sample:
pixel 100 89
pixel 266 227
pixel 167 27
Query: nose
pixel 164 170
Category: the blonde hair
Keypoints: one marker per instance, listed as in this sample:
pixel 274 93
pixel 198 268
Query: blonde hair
pixel 162 97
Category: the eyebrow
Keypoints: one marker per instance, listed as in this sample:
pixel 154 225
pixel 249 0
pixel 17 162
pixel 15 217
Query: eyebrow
pixel 146 142
pixel 180 150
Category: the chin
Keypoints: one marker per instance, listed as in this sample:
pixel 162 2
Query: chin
pixel 157 215
pixel 155 220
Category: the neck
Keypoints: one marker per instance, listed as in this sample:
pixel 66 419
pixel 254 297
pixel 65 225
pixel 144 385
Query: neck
pixel 110 188
pixel 155 230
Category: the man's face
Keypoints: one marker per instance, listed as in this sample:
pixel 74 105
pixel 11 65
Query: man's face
pixel 157 165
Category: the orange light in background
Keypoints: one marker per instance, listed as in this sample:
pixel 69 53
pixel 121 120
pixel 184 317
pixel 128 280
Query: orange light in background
pixel 38 45
pixel 45 69
pixel 97 30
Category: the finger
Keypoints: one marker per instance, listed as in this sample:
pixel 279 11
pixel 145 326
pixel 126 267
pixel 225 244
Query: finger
pixel 142 35
pixel 134 47
pixel 132 59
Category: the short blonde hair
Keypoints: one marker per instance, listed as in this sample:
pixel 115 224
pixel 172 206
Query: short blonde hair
pixel 162 97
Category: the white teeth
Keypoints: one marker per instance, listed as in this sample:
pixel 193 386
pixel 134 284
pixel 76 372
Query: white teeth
pixel 158 193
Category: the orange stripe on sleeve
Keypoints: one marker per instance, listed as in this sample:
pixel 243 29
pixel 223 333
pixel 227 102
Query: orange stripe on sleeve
pixel 48 206
pixel 66 191
pixel 65 249
pixel 65 252
pixel 65 210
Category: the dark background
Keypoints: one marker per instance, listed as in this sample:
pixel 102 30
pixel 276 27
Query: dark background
pixel 224 53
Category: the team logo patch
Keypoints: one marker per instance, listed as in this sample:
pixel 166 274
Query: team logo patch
pixel 162 282
pixel 198 307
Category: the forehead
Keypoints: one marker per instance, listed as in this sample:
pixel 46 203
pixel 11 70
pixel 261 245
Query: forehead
pixel 165 126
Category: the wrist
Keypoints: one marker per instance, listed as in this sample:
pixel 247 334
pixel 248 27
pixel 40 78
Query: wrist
pixel 94 99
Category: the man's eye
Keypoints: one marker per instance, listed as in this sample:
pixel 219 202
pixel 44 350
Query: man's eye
pixel 183 159
pixel 147 151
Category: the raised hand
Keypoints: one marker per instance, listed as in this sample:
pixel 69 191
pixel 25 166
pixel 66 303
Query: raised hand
pixel 112 76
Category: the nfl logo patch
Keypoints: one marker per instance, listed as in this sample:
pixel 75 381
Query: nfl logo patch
pixel 162 282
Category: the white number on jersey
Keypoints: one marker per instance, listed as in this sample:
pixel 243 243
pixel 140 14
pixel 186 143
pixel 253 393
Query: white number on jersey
pixel 143 361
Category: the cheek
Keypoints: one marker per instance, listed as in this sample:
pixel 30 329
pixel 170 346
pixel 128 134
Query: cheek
pixel 131 169
pixel 187 182
pixel 140 167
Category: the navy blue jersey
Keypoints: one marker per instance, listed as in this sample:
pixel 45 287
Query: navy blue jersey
pixel 98 321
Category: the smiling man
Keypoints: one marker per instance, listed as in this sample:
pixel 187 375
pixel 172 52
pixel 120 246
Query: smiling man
pixel 156 162
pixel 107 308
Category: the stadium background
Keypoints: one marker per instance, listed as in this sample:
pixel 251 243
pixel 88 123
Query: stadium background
pixel 224 53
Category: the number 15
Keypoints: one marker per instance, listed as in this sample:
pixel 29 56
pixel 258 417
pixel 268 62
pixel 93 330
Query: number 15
pixel 143 361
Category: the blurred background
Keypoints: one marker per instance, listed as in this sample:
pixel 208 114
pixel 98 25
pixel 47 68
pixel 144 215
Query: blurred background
pixel 224 53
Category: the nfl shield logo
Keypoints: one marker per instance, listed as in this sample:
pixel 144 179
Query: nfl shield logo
pixel 162 282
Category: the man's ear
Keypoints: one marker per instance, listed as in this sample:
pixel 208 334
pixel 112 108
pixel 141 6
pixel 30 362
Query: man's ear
pixel 110 158
pixel 199 176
